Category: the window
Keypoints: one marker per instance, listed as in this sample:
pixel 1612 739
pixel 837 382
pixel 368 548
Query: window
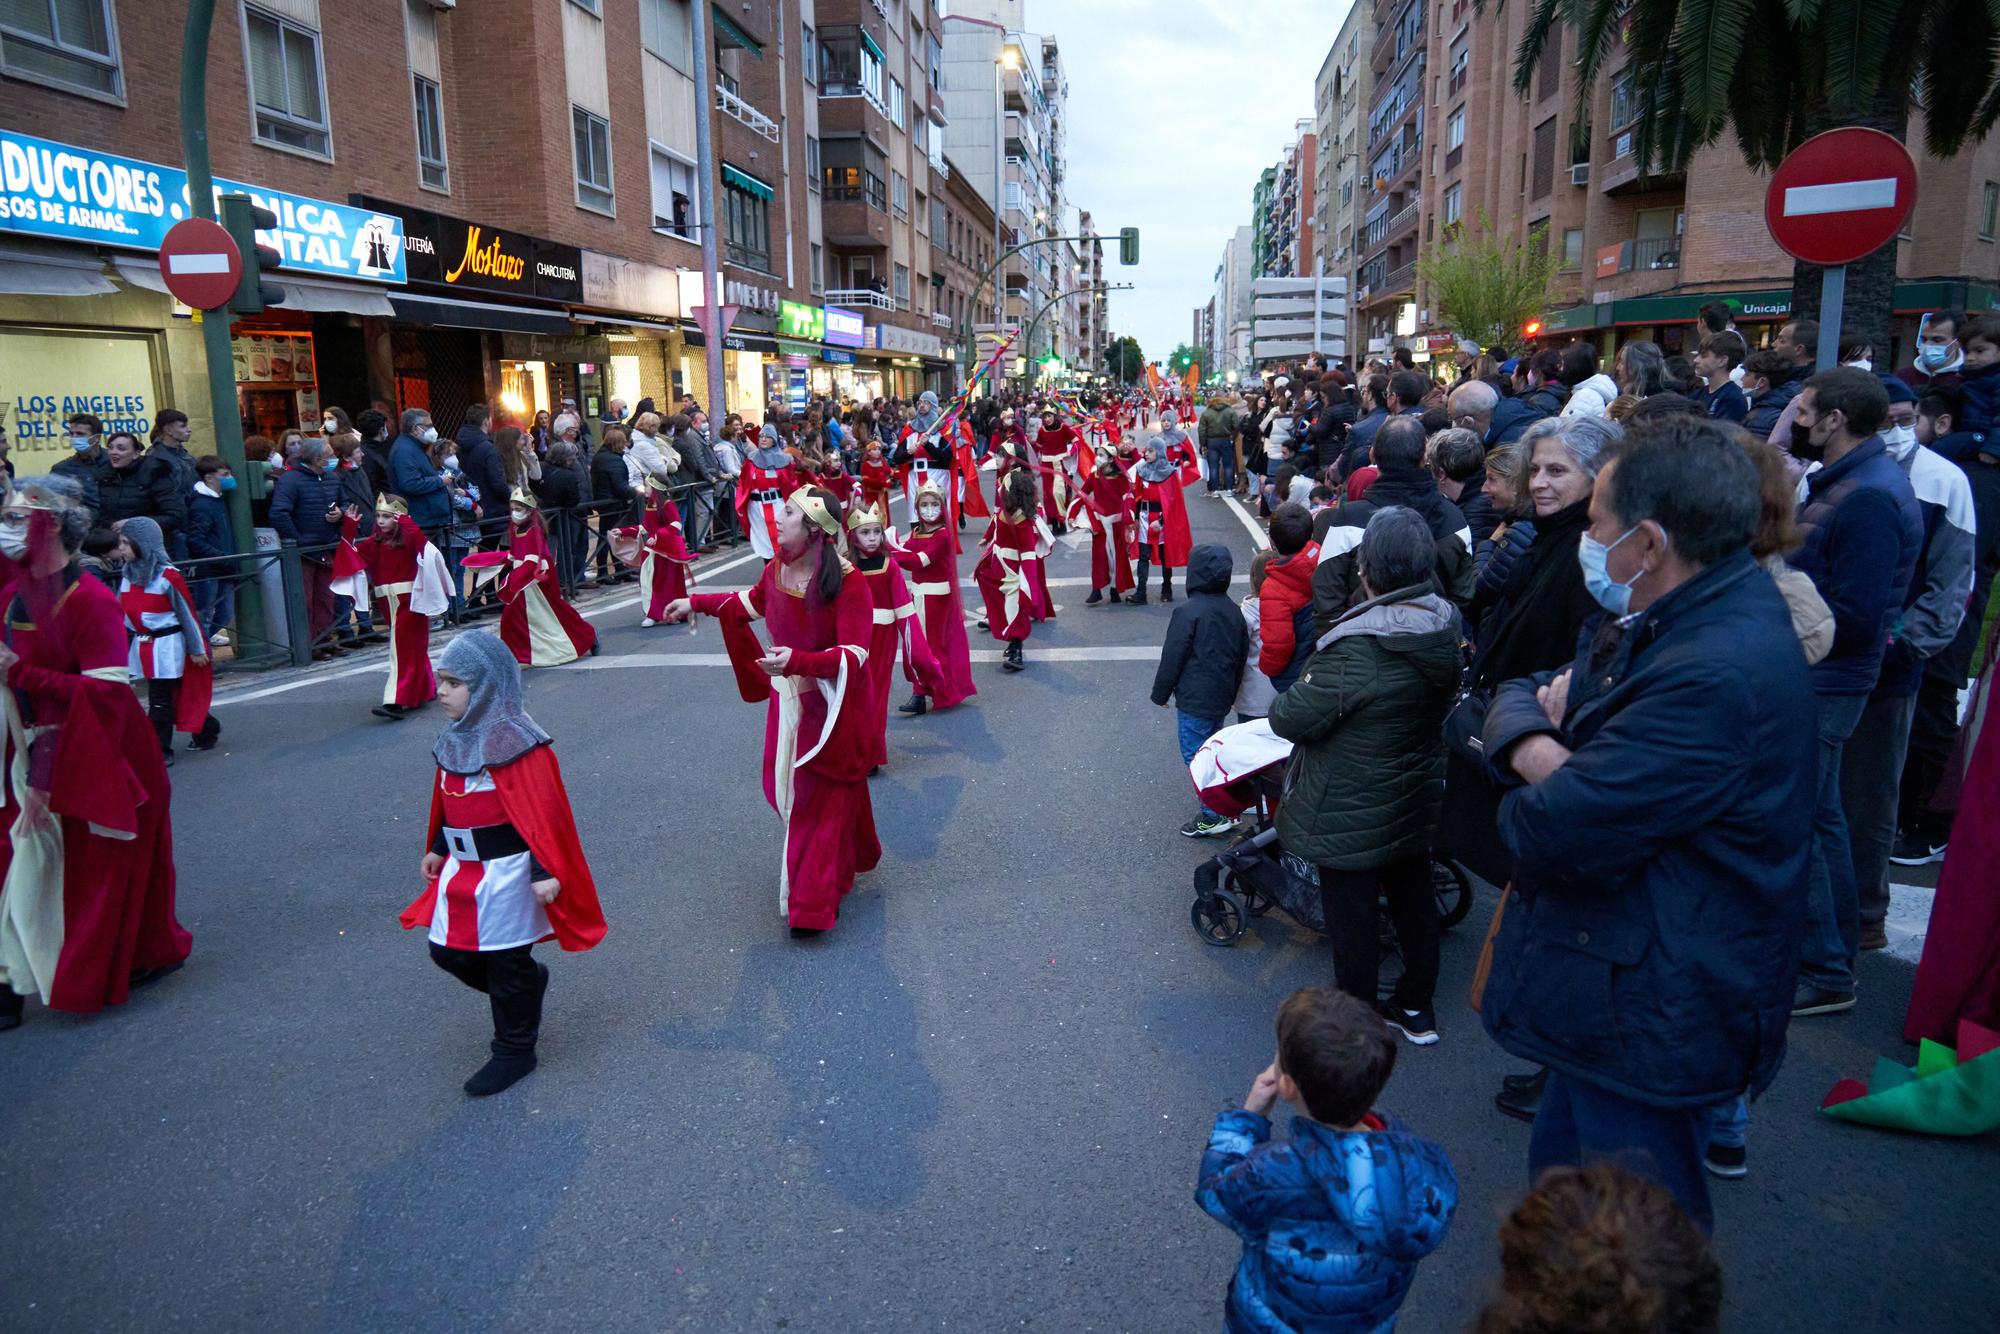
pixel 812 163
pixel 592 136
pixel 850 172
pixel 1988 207
pixel 287 87
pixel 587 6
pixel 818 270
pixel 431 167
pixel 903 286
pixel 1572 247
pixel 746 219
pixel 1545 158
pixel 1548 70
pixel 850 65
pixel 666 30
pixel 899 193
pixel 1454 129
pixel 942 232
pixel 937 65
pixel 808 54
pixel 67 43
pixel 1624 101
pixel 923 214
pixel 1452 198
pixel 674 198
pixel 896 103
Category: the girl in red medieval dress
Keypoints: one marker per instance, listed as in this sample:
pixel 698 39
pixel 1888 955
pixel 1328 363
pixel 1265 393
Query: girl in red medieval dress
pixel 410 583
pixel 927 557
pixel 536 621
pixel 1010 577
pixel 896 624
pixel 816 724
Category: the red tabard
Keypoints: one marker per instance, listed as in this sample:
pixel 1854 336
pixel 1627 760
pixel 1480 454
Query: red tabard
pixel 1108 503
pixel 392 574
pixel 895 624
pixel 926 557
pixel 1010 578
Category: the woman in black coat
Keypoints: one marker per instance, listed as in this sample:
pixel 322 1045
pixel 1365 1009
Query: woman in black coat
pixel 563 491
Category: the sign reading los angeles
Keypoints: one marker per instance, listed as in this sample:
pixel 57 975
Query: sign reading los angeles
pixel 449 252
pixel 79 194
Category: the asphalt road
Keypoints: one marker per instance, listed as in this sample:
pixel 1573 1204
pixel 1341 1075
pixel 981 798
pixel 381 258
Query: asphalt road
pixel 978 1105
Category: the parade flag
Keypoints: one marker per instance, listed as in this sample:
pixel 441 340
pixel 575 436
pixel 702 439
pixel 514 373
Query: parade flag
pixel 1153 382
pixel 1947 1092
pixel 1193 377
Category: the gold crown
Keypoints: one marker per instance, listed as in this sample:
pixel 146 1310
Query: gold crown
pixel 525 499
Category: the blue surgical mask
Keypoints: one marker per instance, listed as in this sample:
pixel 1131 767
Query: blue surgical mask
pixel 1933 356
pixel 330 467
pixel 79 443
pixel 1594 556
pixel 225 483
pixel 450 464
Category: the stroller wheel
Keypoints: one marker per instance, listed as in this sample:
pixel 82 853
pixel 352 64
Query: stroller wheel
pixel 1219 918
pixel 1454 893
pixel 1256 904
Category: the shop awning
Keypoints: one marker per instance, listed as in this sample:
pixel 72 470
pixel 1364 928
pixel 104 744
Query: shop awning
pixel 660 327
pixel 478 315
pixel 33 273
pixel 792 347
pixel 301 294
pixel 743 180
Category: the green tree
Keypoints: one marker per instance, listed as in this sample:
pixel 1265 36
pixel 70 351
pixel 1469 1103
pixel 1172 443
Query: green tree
pixel 1126 363
pixel 1485 285
pixel 1186 355
pixel 1777 72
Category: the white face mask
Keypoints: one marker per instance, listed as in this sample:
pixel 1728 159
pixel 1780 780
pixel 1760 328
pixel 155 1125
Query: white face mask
pixel 520 518
pixel 13 540
pixel 928 513
pixel 1865 364
pixel 430 435
pixel 1896 437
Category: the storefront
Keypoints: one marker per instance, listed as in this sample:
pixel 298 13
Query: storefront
pixel 86 331
pixel 902 355
pixel 847 377
pixel 637 307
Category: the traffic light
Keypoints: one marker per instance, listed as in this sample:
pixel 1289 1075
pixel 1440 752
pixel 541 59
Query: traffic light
pixel 1532 329
pixel 242 218
pixel 1128 245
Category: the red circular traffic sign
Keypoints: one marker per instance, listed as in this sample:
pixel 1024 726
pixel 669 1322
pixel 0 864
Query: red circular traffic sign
pixel 201 263
pixel 1840 195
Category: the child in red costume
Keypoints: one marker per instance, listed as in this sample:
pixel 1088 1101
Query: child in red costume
pixel 504 869
pixel 876 479
pixel 1104 505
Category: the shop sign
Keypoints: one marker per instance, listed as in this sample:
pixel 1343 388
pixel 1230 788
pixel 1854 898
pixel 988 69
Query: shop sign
pixel 449 252
pixel 844 328
pixel 895 338
pixel 834 356
pixel 750 296
pixel 1611 260
pixel 272 358
pixel 51 375
pixel 611 282
pixel 749 342
pixel 796 320
pixel 79 194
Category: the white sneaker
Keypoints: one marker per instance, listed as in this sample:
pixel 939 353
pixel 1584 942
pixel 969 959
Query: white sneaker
pixel 645 621
pixel 220 639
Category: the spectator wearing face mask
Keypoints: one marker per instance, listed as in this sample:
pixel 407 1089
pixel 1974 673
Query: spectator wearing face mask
pixel 305 509
pixel 209 536
pixel 1939 356
pixel 86 433
pixel 414 477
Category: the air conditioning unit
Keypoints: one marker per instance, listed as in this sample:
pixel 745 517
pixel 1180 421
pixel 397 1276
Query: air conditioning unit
pixel 1579 173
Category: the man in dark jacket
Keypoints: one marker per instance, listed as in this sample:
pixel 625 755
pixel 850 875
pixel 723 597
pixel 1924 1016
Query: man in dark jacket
pixel 1373 398
pixel 479 463
pixel 1660 822
pixel 305 509
pixel 170 436
pixel 1478 407
pixel 611 485
pixel 1399 454
pixel 1201 663
pixel 1405 399
pixel 373 428
pixel 1458 462
pixel 132 484
pixel 209 536
pixel 415 478
pixel 86 456
pixel 1326 438
pixel 1863 533
pixel 1770 391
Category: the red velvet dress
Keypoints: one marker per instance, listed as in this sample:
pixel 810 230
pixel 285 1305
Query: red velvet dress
pixel 817 747
pixel 760 495
pixel 91 901
pixel 876 479
pixel 536 621
pixel 1107 503
pixel 664 561
pixel 927 557
pixel 392 578
pixel 895 624
pixel 1010 577
pixel 1056 453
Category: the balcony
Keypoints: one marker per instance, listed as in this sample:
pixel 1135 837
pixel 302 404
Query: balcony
pixel 730 104
pixel 850 297
pixel 940 319
pixel 1454 157
pixel 1384 48
pixel 1400 280
pixel 1640 255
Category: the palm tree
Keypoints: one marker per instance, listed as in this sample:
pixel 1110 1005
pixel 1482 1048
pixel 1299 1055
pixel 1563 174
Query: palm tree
pixel 1777 72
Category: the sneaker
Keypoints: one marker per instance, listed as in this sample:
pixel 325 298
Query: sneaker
pixel 1726 1161
pixel 1874 936
pixel 1419 1026
pixel 1206 826
pixel 1915 850
pixel 646 621
pixel 220 639
pixel 1810 1000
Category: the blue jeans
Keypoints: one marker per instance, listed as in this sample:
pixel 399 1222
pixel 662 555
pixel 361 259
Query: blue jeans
pixel 1580 1123
pixel 1221 464
pixel 214 604
pixel 1833 904
pixel 1194 731
pixel 1728 1122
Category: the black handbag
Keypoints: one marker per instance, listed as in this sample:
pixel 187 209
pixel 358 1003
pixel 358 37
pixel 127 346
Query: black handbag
pixel 1469 823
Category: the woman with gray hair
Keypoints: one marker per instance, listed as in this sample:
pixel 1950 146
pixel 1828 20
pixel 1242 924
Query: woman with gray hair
pixel 1642 369
pixel 1367 775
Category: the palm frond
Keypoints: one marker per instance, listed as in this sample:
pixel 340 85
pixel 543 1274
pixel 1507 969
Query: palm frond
pixel 1542 23
pixel 1960 73
pixel 1710 39
pixel 1856 36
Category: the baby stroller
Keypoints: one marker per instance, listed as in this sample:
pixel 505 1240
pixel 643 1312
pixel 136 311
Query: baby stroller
pixel 1241 769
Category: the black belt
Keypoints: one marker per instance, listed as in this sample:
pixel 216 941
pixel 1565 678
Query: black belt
pixel 483 843
pixel 770 494
pixel 156 634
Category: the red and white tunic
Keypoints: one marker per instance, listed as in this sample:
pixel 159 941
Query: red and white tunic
pixel 760 497
pixel 485 893
pixel 159 621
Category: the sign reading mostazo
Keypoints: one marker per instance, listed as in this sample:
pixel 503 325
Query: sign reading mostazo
pixel 453 254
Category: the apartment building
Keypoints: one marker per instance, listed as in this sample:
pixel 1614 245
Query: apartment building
pixel 1282 207
pixel 961 250
pixel 1392 162
pixel 1091 330
pixel 1643 250
pixel 466 210
pixel 1344 90
pixel 1229 341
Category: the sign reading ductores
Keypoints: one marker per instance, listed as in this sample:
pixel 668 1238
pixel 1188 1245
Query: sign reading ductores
pixel 79 194
pixel 844 328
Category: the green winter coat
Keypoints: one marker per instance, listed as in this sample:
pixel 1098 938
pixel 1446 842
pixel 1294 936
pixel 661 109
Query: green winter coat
pixel 1367 719
pixel 1216 423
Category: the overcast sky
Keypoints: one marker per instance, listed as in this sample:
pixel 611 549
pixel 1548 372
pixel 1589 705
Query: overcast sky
pixel 1175 107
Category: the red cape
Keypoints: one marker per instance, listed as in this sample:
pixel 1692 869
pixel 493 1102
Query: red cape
pixel 197 682
pixel 532 793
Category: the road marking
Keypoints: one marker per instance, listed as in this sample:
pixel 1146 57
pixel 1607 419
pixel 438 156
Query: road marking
pixel 1256 534
pixel 1909 918
pixel 1803 201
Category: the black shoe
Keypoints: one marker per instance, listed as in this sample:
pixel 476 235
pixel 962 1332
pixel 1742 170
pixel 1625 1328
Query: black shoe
pixel 874 769
pixel 1874 936
pixel 1116 596
pixel 1166 592
pixel 1419 1026
pixel 1915 850
pixel 210 733
pixel 1726 1161
pixel 499 1073
pixel 395 713
pixel 167 757
pixel 1810 1000
pixel 594 646
pixel 141 976
pixel 1010 658
pixel 1137 598
pixel 1525 1083
pixel 1097 596
pixel 1522 1104
pixel 916 706
pixel 807 932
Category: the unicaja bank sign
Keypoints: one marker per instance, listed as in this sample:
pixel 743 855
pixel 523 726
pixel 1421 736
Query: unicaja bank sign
pixel 454 254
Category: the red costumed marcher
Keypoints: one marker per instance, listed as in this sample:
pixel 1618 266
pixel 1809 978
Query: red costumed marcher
pixel 928 558
pixel 1057 447
pixel 971 495
pixel 1159 512
pixel 769 475
pixel 926 453
pixel 658 549
pixel 410 584
pixel 1010 577
pixel 169 652
pixel 87 908
pixel 503 867
pixel 876 479
pixel 536 620
pixel 817 747
pixel 896 624
pixel 1104 504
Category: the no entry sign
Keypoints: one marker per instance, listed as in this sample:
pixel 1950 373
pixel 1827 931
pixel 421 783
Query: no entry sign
pixel 200 263
pixel 1840 195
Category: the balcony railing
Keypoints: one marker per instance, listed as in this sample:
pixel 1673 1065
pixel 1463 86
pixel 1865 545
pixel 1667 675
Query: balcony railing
pixel 1400 278
pixel 1405 218
pixel 859 296
pixel 1656 252
pixel 730 103
pixel 940 319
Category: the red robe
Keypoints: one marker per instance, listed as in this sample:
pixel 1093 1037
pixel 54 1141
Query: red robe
pixel 922 463
pixel 664 560
pixel 536 621
pixel 392 577
pixel 895 622
pixel 1055 452
pixel 1160 528
pixel 1010 577
pixel 760 494
pixel 928 558
pixel 817 748
pixel 876 479
pixel 965 462
pixel 537 805
pixel 1106 504
pixel 113 891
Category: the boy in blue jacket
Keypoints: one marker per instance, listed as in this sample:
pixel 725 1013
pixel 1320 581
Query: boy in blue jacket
pixel 1333 1222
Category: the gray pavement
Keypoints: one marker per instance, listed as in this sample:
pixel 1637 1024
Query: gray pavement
pixel 979 1104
